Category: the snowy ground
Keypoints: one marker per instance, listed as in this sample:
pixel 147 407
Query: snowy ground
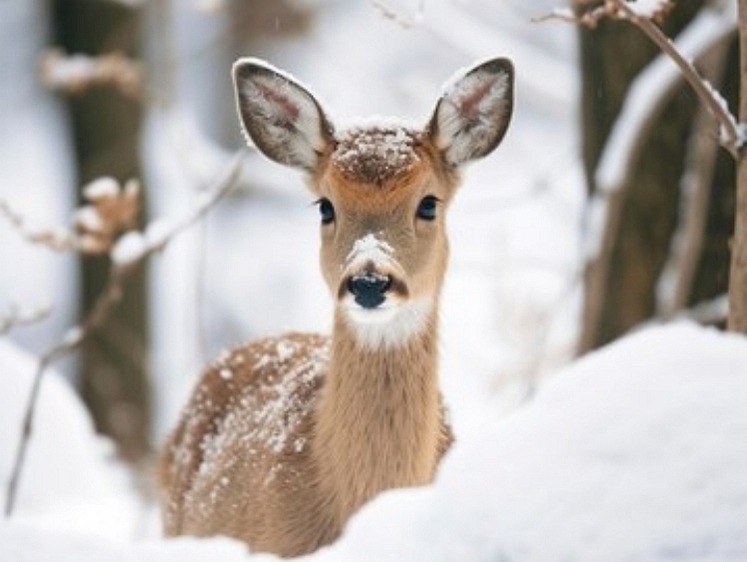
pixel 637 452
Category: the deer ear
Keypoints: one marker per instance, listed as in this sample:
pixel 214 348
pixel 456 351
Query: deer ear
pixel 474 111
pixel 282 118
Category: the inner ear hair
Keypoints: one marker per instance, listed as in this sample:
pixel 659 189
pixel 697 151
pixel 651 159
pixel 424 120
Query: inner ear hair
pixel 283 119
pixel 472 115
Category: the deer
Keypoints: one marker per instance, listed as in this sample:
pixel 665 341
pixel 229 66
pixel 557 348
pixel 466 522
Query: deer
pixel 285 438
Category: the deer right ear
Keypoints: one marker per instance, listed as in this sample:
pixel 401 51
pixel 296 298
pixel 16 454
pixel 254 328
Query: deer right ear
pixel 282 118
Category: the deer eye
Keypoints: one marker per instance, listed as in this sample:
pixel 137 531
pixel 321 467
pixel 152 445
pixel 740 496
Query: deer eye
pixel 427 208
pixel 326 210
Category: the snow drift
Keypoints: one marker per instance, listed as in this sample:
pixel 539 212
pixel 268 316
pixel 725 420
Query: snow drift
pixel 636 452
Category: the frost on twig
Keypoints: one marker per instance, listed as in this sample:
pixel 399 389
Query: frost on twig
pixel 127 253
pixel 109 210
pixel 76 73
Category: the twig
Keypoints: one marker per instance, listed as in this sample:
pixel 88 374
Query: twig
pixel 17 316
pixel 399 19
pixel 126 257
pixel 731 139
pixel 58 240
pixel 702 88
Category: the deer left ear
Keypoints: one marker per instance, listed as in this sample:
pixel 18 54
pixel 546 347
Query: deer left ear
pixel 473 114
pixel 284 120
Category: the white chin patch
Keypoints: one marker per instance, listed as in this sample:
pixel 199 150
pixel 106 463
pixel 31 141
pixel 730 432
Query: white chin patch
pixel 388 325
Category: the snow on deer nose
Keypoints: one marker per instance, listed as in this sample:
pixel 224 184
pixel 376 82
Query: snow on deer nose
pixel 372 276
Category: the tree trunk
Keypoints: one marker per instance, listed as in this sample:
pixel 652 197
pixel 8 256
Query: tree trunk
pixel 113 380
pixel 738 274
pixel 621 283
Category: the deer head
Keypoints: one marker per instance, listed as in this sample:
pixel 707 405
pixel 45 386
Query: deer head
pixel 382 189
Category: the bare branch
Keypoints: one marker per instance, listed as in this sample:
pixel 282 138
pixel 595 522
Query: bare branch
pixel 124 263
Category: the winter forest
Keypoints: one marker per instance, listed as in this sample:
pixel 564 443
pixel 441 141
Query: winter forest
pixel 591 349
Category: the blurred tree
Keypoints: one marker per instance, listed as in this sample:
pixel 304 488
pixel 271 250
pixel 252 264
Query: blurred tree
pixel 738 273
pixel 621 282
pixel 105 126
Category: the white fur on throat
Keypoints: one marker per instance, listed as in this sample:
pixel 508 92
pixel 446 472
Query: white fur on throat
pixel 390 325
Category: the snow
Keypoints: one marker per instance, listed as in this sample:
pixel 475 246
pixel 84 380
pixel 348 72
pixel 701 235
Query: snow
pixel 636 452
pixel 101 188
pixel 130 248
pixel 370 248
pixel 375 154
pixel 71 482
pixel 647 8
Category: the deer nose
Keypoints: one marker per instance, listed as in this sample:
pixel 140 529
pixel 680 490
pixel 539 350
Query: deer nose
pixel 369 288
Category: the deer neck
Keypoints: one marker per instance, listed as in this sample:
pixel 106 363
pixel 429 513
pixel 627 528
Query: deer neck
pixel 379 416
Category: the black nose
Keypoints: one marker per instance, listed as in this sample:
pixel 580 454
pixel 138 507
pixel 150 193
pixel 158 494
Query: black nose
pixel 369 288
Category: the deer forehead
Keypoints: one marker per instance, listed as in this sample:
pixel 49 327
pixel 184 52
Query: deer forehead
pixel 381 170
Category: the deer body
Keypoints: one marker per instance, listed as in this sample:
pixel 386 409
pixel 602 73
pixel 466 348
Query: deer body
pixel 285 438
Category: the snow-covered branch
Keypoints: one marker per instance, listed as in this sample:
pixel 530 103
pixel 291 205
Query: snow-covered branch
pixel 110 210
pixel 76 73
pixel 130 250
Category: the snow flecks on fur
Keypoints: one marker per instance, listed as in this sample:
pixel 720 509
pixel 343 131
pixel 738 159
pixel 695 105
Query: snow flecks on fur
pixel 265 395
pixel 374 154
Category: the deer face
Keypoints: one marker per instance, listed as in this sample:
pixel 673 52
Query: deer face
pixel 382 189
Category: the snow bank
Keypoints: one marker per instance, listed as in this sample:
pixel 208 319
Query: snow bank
pixel 637 452
pixel 70 481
